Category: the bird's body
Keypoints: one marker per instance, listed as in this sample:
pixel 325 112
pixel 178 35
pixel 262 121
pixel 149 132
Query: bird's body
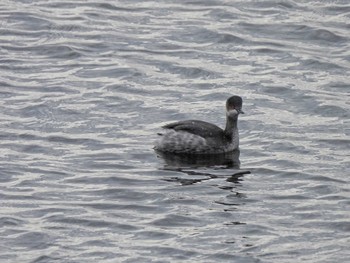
pixel 200 137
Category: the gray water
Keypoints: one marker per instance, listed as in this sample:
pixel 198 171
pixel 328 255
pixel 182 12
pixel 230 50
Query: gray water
pixel 85 86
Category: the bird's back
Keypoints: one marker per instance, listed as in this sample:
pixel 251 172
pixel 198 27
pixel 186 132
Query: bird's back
pixel 200 128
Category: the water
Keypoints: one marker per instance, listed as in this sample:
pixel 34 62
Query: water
pixel 85 86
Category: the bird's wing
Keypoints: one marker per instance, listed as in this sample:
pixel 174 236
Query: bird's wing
pixel 200 128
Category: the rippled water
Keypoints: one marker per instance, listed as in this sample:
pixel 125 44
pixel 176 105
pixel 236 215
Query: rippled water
pixel 84 87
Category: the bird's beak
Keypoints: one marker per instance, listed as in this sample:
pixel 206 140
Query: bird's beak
pixel 240 111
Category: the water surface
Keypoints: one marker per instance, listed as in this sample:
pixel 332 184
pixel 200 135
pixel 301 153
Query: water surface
pixel 85 86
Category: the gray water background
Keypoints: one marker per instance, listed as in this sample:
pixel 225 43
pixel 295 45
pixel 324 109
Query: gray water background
pixel 85 86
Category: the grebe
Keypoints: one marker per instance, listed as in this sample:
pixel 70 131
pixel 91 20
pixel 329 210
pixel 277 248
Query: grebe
pixel 200 137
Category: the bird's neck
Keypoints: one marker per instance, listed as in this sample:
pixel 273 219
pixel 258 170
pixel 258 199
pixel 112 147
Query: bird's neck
pixel 231 129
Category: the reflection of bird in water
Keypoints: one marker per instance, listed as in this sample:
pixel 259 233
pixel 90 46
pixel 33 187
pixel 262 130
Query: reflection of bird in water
pixel 224 165
pixel 200 137
pixel 232 178
pixel 229 160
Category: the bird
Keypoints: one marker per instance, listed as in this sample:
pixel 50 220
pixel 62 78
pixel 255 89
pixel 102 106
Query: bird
pixel 198 137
